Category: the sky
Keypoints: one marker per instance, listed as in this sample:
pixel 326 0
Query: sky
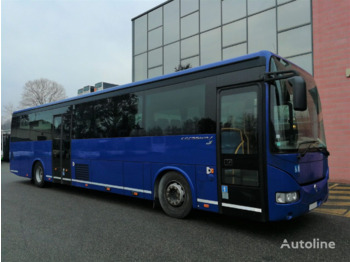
pixel 72 42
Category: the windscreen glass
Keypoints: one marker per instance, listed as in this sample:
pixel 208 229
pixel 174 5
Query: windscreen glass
pixel 292 130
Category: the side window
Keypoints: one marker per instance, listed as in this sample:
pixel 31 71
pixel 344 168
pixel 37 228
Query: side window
pixel 14 129
pixel 127 115
pixel 22 128
pixel 84 124
pixel 239 122
pixel 104 121
pixel 175 110
pixel 23 132
pixel 42 126
pixel 118 116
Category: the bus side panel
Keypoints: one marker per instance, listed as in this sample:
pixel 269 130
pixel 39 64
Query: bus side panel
pixel 43 153
pixel 132 163
pixel 107 172
pixel 207 194
pixel 24 154
pixel 196 149
pixel 21 156
pixel 133 178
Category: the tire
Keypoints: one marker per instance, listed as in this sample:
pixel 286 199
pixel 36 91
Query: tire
pixel 175 195
pixel 38 175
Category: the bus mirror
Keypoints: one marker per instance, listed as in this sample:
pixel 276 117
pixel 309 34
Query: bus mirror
pixel 299 93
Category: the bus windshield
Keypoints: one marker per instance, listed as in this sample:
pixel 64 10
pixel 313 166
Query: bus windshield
pixel 291 130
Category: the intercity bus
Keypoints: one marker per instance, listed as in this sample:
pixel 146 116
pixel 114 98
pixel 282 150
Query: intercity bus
pixel 242 137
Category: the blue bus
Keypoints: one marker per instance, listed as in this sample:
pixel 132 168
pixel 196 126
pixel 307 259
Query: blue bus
pixel 242 137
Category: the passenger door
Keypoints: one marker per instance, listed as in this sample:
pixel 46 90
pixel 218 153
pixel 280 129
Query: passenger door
pixel 240 154
pixel 61 149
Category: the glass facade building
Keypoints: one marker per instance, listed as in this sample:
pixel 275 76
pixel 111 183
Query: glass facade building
pixel 198 32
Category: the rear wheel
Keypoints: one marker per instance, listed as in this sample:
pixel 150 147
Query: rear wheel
pixel 38 175
pixel 175 195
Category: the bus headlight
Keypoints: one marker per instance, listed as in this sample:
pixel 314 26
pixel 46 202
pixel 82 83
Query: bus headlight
pixel 285 198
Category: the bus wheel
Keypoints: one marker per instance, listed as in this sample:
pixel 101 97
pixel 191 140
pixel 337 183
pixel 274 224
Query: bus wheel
pixel 38 175
pixel 175 195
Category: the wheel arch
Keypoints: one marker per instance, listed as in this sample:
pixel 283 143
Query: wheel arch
pixel 35 161
pixel 161 172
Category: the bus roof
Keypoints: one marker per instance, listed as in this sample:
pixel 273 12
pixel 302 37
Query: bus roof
pixel 264 53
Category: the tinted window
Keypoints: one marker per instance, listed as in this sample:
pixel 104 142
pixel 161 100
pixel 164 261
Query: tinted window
pixel 233 10
pixel 140 35
pixel 188 7
pixel 235 33
pixel 255 6
pixel 21 127
pixel 14 128
pixel 42 126
pixel 293 14
pixel 155 38
pixel 234 51
pixel 295 41
pixel 23 131
pixel 155 18
pixel 34 126
pixel 119 116
pixel 210 46
pixel 155 57
pixel 171 22
pixel 140 67
pixel 239 122
pixel 262 32
pixel 189 25
pixel 190 47
pixel 84 121
pixel 171 57
pixel 212 9
pixel 177 110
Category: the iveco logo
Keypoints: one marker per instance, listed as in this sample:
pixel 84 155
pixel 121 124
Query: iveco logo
pixel 315 187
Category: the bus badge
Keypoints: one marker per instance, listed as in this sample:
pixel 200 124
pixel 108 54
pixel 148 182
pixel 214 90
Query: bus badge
pixel 210 170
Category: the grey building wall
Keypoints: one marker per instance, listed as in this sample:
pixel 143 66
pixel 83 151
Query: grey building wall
pixel 198 32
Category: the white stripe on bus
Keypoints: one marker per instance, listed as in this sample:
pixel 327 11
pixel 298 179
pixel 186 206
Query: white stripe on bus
pixel 207 201
pixel 254 209
pixel 113 186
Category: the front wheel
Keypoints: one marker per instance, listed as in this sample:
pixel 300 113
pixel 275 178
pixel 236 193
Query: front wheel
pixel 175 195
pixel 38 175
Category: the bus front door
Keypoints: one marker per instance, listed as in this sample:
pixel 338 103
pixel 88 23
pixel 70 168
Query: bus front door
pixel 240 182
pixel 61 149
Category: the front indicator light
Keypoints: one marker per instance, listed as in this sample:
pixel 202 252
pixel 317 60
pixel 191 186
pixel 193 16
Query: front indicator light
pixel 286 198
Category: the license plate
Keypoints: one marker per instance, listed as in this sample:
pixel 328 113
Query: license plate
pixel 312 206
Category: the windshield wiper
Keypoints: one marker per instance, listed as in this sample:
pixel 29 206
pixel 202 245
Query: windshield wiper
pixel 323 150
pixel 310 142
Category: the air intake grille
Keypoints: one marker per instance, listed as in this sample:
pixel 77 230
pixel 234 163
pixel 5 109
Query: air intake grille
pixel 82 172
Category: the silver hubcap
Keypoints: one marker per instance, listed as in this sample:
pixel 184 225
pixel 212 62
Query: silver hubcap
pixel 175 194
pixel 39 174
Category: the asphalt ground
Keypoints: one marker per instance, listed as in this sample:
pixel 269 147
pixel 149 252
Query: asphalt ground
pixel 62 223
